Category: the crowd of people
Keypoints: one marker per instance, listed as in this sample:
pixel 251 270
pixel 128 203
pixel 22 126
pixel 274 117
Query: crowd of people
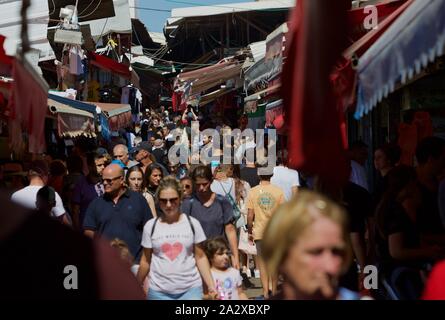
pixel 179 226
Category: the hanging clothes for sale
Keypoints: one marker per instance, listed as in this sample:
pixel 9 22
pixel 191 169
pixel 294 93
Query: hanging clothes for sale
pixel 75 60
pixel 125 96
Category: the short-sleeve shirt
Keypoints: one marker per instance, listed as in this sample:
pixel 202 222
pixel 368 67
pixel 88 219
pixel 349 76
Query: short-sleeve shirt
pixel 285 179
pixel 227 283
pixel 124 220
pixel 84 193
pixel 263 200
pixel 27 198
pixel 173 266
pixel 213 219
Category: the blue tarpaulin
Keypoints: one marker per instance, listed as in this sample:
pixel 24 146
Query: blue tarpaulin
pixel 415 39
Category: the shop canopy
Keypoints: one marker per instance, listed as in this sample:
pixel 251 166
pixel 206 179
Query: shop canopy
pixel 79 105
pixel 261 94
pixel 414 40
pixel 344 76
pixel 110 65
pixel 207 78
pixel 118 115
pixel 72 122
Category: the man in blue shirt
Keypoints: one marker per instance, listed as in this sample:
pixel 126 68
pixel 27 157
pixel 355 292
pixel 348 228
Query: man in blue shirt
pixel 119 213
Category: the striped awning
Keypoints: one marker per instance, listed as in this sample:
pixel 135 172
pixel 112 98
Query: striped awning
pixel 416 39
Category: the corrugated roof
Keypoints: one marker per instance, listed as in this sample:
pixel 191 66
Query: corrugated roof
pixel 258 50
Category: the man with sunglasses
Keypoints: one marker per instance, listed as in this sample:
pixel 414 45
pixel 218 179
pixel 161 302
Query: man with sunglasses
pixel 119 213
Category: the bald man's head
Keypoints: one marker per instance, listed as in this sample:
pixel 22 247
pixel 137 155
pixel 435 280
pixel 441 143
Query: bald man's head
pixel 120 152
pixel 113 178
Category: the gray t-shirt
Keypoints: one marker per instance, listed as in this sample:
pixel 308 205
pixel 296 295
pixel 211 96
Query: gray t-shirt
pixel 173 265
pixel 213 219
pixel 227 283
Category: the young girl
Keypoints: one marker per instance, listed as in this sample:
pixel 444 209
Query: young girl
pixel 228 281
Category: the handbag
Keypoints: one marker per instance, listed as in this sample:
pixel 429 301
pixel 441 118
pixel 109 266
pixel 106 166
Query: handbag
pixel 244 244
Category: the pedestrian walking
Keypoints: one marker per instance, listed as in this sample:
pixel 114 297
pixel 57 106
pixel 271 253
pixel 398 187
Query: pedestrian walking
pixel 173 255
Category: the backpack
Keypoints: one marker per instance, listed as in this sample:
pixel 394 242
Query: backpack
pixel 188 218
pixel 236 209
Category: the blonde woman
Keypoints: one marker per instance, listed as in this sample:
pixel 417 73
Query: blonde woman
pixel 307 243
pixel 172 250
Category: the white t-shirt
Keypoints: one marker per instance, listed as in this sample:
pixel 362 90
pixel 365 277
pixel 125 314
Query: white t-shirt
pixel 27 197
pixel 173 266
pixel 227 283
pixel 285 179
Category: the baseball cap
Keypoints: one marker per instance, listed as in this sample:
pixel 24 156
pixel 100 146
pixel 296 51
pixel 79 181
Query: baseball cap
pixel 119 163
pixel 144 145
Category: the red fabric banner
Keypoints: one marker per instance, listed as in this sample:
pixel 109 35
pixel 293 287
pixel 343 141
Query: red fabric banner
pixel 110 65
pixel 316 39
pixel 28 105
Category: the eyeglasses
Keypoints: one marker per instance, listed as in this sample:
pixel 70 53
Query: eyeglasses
pixel 187 186
pixel 110 181
pixel 165 201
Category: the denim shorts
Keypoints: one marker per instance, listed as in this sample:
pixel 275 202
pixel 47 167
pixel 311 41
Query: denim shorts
pixel 191 294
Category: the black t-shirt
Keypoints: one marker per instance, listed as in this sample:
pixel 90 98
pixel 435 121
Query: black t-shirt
pixel 380 188
pixel 250 175
pixel 395 220
pixel 428 215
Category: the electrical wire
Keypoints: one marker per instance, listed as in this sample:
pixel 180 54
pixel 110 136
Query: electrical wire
pixel 95 9
pixel 86 8
pixel 151 9
pixel 102 32
pixel 54 8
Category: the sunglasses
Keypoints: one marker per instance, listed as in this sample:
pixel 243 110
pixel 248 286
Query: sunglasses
pixel 187 186
pixel 165 201
pixel 110 181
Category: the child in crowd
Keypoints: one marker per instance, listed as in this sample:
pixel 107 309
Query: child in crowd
pixel 125 254
pixel 228 281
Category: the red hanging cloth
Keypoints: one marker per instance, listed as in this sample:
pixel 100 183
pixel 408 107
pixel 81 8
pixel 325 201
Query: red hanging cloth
pixel 315 45
pixel 28 105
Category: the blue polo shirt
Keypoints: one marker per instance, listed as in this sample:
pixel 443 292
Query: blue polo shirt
pixel 124 220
